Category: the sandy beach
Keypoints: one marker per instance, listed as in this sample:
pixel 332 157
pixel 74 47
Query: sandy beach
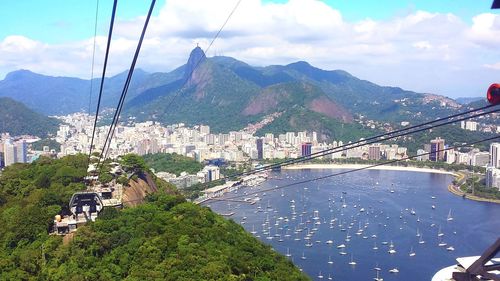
pixel 358 166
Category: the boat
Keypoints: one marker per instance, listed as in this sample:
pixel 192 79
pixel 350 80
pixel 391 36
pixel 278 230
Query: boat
pixel 352 262
pixel 450 248
pixel 329 242
pixel 440 233
pixel 303 256
pixel 341 246
pixel 329 277
pixel 288 252
pixel 391 249
pixel 330 260
pixel 449 218
pixel 421 240
pixel 433 207
pixel 413 212
pixel 377 278
pixel 375 246
pixel 394 270
pixel 412 253
pixel 320 276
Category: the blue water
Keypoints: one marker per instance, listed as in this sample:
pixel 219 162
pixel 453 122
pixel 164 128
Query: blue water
pixel 475 225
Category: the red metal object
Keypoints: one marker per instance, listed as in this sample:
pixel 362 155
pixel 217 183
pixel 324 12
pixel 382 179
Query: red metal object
pixel 494 94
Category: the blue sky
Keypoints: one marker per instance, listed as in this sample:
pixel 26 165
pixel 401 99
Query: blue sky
pixel 58 21
pixel 446 47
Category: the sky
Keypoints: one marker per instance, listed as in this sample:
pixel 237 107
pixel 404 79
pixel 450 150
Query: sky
pixel 447 47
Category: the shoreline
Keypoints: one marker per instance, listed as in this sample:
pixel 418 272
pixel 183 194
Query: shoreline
pixel 360 166
pixel 452 189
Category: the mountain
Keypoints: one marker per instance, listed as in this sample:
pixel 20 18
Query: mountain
pixel 17 119
pixel 62 95
pixel 229 94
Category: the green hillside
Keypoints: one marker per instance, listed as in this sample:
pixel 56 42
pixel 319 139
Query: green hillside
pixel 17 119
pixel 163 239
pixel 172 163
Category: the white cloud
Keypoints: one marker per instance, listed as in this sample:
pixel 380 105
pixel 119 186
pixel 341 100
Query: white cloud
pixel 495 66
pixel 422 51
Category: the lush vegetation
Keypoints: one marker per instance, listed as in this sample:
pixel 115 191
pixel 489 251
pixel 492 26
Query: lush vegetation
pixel 163 239
pixel 17 119
pixel 475 186
pixel 52 144
pixel 173 163
pixel 301 119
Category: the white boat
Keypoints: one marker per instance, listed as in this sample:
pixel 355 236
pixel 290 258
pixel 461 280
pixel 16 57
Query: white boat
pixel 377 278
pixel 450 248
pixel 329 277
pixel 375 246
pixel 329 242
pixel 449 218
pixel 440 233
pixel 394 270
pixel 413 212
pixel 352 262
pixel 412 253
pixel 433 207
pixel 288 252
pixel 341 246
pixel 330 260
pixel 421 240
pixel 320 276
pixel 303 256
pixel 391 249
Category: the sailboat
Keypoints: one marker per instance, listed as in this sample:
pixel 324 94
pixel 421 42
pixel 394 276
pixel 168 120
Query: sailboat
pixel 320 276
pixel 253 230
pixel 288 252
pixel 329 277
pixel 303 256
pixel 330 260
pixel 352 262
pixel 375 246
pixel 421 240
pixel 418 232
pixel 449 218
pixel 378 277
pixel 391 249
pixel 440 233
pixel 412 253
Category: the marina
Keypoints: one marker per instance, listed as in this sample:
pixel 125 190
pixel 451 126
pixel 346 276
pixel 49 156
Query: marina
pixel 345 227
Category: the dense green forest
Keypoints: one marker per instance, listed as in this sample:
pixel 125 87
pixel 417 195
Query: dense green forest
pixel 173 163
pixel 17 119
pixel 166 238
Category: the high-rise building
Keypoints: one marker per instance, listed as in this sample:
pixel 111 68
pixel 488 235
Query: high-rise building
pixel 437 150
pixel 493 177
pixel 260 148
pixel 9 150
pixel 495 155
pixel 374 152
pixel 21 151
pixel 306 149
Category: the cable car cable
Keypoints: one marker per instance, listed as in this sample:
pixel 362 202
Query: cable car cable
pixel 110 33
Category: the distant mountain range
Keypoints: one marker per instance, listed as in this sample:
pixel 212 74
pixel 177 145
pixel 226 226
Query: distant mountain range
pixel 227 94
pixel 17 119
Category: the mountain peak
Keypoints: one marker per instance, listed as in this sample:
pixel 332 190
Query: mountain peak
pixel 22 73
pixel 196 57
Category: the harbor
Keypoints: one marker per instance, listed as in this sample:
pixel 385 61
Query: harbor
pixel 380 223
